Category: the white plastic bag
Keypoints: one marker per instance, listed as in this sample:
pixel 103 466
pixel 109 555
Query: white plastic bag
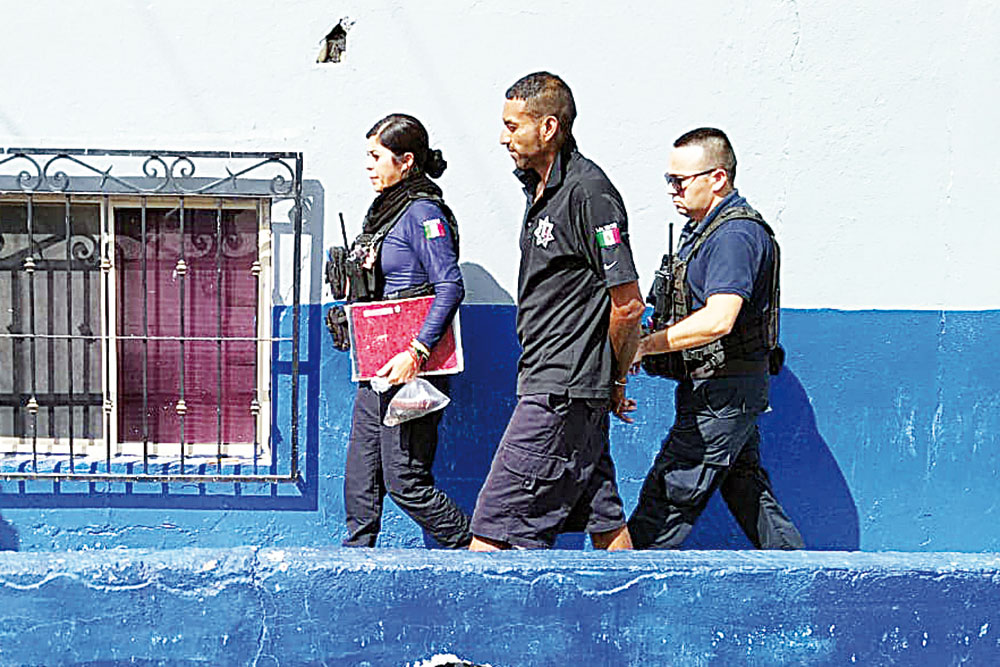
pixel 417 398
pixel 380 384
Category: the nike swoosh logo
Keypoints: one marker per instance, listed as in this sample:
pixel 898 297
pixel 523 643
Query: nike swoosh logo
pixel 608 267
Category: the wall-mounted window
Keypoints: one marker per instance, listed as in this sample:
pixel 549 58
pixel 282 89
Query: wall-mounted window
pixel 191 344
pixel 138 325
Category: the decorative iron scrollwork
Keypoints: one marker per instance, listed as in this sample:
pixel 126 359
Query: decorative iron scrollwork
pixel 162 173
pixel 68 218
pixel 46 255
pixel 25 179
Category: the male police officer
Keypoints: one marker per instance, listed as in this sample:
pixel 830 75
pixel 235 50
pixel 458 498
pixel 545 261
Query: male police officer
pixel 725 303
pixel 578 313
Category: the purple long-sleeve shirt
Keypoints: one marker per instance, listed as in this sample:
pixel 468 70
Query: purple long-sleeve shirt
pixel 420 250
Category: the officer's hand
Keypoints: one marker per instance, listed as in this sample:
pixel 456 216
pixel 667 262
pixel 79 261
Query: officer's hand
pixel 400 369
pixel 640 352
pixel 620 405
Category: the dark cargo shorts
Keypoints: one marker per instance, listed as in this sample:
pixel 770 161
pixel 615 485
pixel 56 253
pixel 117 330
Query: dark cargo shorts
pixel 551 474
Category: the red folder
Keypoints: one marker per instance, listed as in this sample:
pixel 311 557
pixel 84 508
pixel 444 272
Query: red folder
pixel 382 329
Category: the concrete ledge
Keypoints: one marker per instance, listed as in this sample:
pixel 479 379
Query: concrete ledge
pixel 393 607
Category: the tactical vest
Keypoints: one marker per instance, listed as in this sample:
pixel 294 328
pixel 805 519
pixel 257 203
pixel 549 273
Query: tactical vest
pixel 754 336
pixel 356 274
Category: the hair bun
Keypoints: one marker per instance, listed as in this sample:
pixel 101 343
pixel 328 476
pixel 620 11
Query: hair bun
pixel 435 163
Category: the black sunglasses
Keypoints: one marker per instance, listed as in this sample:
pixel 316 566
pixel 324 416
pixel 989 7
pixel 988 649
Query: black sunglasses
pixel 676 181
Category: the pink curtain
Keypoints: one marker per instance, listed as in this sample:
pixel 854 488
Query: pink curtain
pixel 206 251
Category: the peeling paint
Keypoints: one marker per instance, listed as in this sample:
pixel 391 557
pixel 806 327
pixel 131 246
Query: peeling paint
pixel 344 606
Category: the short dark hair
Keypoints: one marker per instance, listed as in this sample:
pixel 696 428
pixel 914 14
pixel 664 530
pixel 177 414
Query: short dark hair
pixel 545 94
pixel 401 134
pixel 718 150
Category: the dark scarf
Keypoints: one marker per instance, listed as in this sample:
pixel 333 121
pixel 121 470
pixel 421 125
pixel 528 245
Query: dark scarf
pixel 362 263
pixel 391 202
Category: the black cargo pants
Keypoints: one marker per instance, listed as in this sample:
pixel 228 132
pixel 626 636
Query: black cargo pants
pixel 396 460
pixel 713 444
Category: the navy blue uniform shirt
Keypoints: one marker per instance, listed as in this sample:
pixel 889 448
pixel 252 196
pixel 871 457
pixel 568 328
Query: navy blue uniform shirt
pixel 420 250
pixel 736 259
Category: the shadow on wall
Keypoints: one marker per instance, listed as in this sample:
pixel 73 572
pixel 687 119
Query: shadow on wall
pixel 482 400
pixel 805 475
pixel 481 287
pixel 482 397
pixel 9 541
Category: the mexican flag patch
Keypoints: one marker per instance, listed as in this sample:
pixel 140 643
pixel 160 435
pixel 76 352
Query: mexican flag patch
pixel 609 235
pixel 433 229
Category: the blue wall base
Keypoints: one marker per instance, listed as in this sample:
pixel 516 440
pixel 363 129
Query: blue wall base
pixel 883 434
pixel 389 607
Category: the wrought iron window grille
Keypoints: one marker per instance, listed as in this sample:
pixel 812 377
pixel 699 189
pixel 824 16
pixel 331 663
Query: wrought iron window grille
pixel 78 320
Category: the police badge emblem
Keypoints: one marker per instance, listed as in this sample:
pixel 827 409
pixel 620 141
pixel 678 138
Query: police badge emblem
pixel 543 232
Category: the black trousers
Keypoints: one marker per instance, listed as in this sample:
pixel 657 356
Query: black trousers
pixel 713 445
pixel 396 460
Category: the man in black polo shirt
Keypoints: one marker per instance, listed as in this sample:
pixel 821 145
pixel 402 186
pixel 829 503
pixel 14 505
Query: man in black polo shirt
pixel 730 291
pixel 578 313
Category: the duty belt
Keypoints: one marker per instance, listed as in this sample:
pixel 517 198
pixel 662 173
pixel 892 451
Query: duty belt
pixel 731 367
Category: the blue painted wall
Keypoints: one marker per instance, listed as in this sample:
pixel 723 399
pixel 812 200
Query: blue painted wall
pixel 882 436
pixel 371 608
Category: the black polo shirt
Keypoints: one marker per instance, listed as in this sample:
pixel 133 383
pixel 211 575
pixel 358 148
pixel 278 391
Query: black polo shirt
pixel 574 246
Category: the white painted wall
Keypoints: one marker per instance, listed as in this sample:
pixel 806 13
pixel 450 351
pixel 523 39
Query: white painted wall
pixel 866 132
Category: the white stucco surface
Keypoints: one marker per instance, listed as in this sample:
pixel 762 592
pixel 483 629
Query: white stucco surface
pixel 866 134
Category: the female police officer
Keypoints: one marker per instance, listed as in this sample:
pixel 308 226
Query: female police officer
pixel 409 244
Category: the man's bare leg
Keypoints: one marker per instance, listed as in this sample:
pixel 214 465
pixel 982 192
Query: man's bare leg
pixel 611 540
pixel 486 544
